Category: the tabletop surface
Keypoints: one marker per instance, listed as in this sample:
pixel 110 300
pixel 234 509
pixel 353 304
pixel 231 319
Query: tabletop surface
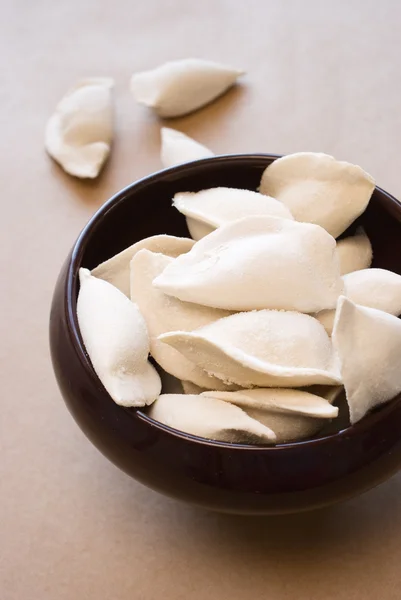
pixel 321 76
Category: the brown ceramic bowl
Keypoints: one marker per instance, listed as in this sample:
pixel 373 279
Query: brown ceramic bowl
pixel 227 477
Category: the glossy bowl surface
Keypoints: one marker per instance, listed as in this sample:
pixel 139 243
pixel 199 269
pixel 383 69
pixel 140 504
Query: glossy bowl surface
pixel 226 477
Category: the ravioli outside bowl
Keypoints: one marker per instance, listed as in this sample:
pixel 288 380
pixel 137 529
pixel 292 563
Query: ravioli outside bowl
pixel 220 476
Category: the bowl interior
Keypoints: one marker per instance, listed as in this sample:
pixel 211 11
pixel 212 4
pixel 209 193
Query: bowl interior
pixel 144 209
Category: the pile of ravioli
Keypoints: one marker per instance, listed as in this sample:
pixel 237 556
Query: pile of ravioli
pixel 264 315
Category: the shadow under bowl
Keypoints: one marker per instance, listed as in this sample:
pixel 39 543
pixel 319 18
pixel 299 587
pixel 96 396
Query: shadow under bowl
pixel 220 476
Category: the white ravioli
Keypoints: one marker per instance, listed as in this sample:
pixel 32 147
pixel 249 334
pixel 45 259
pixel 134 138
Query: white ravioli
pixel 368 343
pixel 115 337
pixel 292 414
pixel 208 209
pixel 261 348
pixel 163 313
pixel 79 134
pixel 209 418
pixel 375 288
pixel 258 262
pixel 319 189
pixel 177 148
pixel 182 86
pixel 355 252
pixel 116 270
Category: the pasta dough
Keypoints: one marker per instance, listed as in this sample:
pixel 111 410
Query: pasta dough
pixel 261 348
pixel 208 209
pixel 258 262
pixel 116 340
pixel 319 189
pixel 368 343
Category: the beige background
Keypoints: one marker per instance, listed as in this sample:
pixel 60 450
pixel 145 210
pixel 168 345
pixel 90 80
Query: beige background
pixel 323 76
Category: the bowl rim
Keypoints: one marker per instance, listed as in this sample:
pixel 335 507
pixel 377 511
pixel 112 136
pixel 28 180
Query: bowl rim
pixel 74 263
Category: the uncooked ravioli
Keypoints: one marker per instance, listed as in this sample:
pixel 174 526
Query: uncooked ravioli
pixel 291 414
pixel 209 418
pixel 368 343
pixel 263 348
pixel 258 262
pixel 79 133
pixel 116 340
pixel 177 148
pixel 178 87
pixel 319 189
pixel 208 209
